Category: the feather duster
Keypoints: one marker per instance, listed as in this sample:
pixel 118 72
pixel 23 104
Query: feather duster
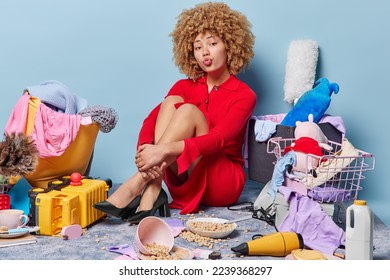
pixel 18 155
pixel 301 67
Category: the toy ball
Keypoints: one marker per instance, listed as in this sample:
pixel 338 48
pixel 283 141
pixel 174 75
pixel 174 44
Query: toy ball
pixel 75 179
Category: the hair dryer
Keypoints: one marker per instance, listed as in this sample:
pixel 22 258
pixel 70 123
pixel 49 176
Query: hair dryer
pixel 279 244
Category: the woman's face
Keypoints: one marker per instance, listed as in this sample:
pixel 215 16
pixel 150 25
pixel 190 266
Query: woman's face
pixel 210 53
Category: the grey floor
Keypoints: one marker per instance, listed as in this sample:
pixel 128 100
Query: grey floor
pixel 98 237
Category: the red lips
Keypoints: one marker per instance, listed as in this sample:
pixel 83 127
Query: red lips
pixel 207 61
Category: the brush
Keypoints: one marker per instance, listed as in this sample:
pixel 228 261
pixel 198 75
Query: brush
pixel 18 155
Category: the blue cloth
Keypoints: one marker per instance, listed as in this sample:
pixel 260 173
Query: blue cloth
pixel 58 97
pixel 264 130
pixel 279 171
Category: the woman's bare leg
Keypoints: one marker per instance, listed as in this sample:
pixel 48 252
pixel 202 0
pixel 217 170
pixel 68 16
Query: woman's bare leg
pixel 165 115
pixel 129 190
pixel 187 121
pixel 134 186
pixel 172 125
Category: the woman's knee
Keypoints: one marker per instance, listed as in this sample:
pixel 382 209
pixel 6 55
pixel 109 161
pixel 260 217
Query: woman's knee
pixel 189 110
pixel 191 116
pixel 171 100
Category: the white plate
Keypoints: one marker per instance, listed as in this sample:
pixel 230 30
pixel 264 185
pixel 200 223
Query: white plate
pixel 15 234
pixel 212 234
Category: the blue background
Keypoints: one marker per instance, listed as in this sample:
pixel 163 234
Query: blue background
pixel 118 54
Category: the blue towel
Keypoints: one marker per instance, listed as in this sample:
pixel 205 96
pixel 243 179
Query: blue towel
pixel 58 97
pixel 264 130
pixel 279 171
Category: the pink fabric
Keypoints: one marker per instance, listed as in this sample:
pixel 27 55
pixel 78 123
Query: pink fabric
pixel 18 119
pixel 53 131
pixel 277 118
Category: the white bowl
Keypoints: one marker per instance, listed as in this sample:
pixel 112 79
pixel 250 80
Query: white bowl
pixel 212 234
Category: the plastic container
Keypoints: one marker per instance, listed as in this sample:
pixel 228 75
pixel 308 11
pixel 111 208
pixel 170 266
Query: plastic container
pixel 153 230
pixel 359 232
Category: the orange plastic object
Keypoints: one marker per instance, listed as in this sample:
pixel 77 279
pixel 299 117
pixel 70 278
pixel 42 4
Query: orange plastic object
pixel 76 157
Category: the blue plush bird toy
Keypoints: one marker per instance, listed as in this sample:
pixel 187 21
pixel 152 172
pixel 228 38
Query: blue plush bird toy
pixel 315 101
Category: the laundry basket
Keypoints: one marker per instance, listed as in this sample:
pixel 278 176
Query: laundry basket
pixel 339 175
pixel 76 158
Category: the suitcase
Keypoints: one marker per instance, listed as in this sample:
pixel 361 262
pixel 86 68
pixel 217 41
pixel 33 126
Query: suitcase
pixel 55 210
pixel 63 204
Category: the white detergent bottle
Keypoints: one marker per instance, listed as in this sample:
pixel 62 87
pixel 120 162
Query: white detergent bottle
pixel 359 232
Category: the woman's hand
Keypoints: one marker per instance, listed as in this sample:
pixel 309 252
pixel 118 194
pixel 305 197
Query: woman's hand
pixel 153 173
pixel 149 156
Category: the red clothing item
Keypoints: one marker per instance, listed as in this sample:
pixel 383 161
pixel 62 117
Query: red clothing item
pixel 219 177
pixel 305 145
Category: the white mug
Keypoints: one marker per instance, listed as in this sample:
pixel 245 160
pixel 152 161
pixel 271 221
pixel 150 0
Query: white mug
pixel 13 218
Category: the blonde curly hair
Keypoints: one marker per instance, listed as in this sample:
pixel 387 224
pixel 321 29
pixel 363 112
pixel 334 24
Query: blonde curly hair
pixel 219 19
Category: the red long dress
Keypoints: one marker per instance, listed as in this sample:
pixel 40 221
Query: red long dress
pixel 218 178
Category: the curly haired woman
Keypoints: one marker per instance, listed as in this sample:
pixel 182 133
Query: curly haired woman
pixel 193 139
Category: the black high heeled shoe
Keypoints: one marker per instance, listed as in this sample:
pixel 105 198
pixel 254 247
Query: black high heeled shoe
pixel 122 213
pixel 161 204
